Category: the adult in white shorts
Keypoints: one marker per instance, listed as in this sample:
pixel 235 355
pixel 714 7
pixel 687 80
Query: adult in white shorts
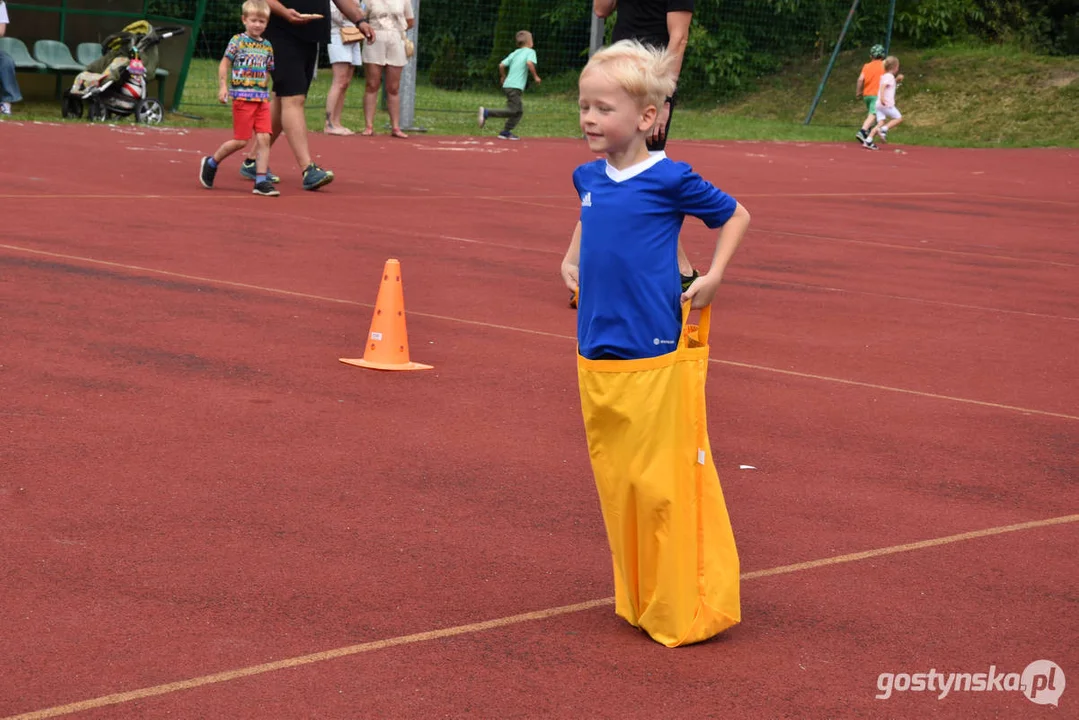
pixel 344 57
pixel 386 55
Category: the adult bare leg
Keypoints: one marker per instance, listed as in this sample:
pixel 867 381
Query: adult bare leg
pixel 335 98
pixel 373 77
pixel 294 125
pixel 393 99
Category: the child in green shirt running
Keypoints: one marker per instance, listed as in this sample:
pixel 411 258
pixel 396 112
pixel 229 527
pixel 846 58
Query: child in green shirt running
pixel 513 72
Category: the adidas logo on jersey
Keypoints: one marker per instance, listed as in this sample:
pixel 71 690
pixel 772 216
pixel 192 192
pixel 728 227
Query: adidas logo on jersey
pixel 586 200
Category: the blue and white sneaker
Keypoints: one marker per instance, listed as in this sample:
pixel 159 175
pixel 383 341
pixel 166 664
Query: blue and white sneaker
pixel 507 136
pixel 247 171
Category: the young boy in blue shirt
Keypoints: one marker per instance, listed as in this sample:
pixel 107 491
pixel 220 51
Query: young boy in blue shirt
pixel 641 367
pixel 624 250
pixel 513 73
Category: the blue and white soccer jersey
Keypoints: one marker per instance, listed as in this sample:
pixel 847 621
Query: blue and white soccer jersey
pixel 629 305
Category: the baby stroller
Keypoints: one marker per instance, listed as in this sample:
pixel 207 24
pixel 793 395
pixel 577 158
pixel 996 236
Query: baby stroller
pixel 115 83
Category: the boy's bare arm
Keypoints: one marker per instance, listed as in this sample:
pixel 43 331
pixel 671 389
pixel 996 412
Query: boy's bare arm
pixel 572 261
pixel 603 8
pixel 532 69
pixel 501 74
pixel 859 86
pixel 224 71
pixel 703 289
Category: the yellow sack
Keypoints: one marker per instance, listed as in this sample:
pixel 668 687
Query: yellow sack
pixel 676 573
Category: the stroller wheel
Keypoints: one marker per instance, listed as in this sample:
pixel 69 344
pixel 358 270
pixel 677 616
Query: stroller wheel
pixel 149 112
pixel 71 106
pixel 98 112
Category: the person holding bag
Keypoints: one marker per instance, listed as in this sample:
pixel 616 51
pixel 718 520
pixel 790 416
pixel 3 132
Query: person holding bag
pixel 641 366
pixel 345 56
pixel 386 55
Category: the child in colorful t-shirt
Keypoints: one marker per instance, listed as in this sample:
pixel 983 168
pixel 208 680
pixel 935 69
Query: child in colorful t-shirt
pixel 244 76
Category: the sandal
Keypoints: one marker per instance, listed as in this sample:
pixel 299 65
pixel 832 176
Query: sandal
pixel 367 132
pixel 398 133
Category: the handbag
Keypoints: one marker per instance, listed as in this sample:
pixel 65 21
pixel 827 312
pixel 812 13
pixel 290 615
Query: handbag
pixel 350 35
pixel 410 47
pixel 676 569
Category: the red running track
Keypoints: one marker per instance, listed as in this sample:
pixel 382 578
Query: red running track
pixel 206 515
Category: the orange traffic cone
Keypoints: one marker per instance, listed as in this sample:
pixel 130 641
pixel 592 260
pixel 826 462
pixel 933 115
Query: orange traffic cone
pixel 387 341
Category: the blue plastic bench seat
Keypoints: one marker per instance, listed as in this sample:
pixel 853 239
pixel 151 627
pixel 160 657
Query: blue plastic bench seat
pixel 20 54
pixel 54 55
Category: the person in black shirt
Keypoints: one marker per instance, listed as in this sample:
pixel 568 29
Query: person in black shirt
pixel 295 33
pixel 662 24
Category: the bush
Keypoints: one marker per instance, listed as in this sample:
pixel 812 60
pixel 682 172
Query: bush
pixel 449 70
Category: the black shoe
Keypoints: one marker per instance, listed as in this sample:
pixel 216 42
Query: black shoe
pixel 868 145
pixel 265 188
pixel 862 135
pixel 207 173
pixel 507 136
pixel 248 171
pixel 687 280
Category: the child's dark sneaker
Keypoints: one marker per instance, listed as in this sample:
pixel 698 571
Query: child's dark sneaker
pixel 687 280
pixel 883 135
pixel 315 177
pixel 266 189
pixel 861 135
pixel 507 136
pixel 482 117
pixel 868 145
pixel 248 171
pixel 207 173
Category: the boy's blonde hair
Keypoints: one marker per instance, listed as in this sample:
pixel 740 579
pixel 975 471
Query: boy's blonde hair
pixel 644 72
pixel 256 7
pixel 891 63
pixel 522 37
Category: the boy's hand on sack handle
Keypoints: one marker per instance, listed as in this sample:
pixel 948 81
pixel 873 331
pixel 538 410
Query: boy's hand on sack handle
pixel 570 275
pixel 701 292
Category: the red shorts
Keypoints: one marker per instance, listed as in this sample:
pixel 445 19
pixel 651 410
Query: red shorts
pixel 248 116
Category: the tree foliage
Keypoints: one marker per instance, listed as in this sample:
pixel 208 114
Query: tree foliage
pixel 732 44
